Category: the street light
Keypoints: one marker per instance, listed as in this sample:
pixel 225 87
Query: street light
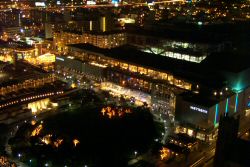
pixel 135 153
pixel 19 155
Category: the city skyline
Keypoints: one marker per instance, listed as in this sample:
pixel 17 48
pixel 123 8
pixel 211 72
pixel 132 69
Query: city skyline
pixel 110 83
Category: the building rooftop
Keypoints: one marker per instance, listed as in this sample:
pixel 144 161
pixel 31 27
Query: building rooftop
pixel 192 72
pixel 94 32
pixel 19 72
pixel 184 138
pixel 186 33
pixel 15 44
pixel 175 148
pixel 205 97
pixel 227 61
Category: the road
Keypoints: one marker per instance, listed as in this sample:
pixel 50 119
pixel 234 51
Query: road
pixel 207 159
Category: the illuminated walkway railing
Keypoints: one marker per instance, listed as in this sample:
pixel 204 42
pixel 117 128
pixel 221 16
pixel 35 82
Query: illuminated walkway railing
pixel 29 98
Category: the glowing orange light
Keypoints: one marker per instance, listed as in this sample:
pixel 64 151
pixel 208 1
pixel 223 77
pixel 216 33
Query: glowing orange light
pixel 75 141
pixel 164 153
pixel 33 122
pixel 36 131
pixel 114 112
pixel 58 142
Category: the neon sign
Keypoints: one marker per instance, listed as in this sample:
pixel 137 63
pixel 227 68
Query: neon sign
pixel 198 109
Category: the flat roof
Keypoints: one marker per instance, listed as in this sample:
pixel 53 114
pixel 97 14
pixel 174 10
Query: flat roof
pixel 175 148
pixel 93 32
pixel 189 52
pixel 15 44
pixel 234 61
pixel 205 97
pixel 20 72
pixel 184 138
pixel 186 33
pixel 193 72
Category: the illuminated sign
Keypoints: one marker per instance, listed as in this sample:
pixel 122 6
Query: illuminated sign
pixel 127 20
pixel 198 109
pixel 40 4
pixel 59 58
pixel 91 3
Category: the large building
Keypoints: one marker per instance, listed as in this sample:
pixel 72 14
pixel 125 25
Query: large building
pixel 11 50
pixel 198 115
pixel 21 84
pixel 10 17
pixel 202 93
pixel 186 47
pixel 191 67
pixel 101 40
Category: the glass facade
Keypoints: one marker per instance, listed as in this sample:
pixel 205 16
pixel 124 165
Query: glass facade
pixel 175 55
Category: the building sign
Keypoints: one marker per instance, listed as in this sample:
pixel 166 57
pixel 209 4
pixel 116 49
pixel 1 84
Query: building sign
pixel 198 109
pixel 40 4
pixel 59 58
pixel 91 3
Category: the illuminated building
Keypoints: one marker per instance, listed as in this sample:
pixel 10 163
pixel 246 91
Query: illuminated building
pixel 18 84
pixel 199 106
pixel 204 90
pixel 29 83
pixel 101 40
pixel 28 49
pixel 198 114
pixel 158 44
pixel 184 141
pixel 227 91
pixel 112 65
pixel 10 17
pixel 109 57
pixel 16 50
pixel 11 32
